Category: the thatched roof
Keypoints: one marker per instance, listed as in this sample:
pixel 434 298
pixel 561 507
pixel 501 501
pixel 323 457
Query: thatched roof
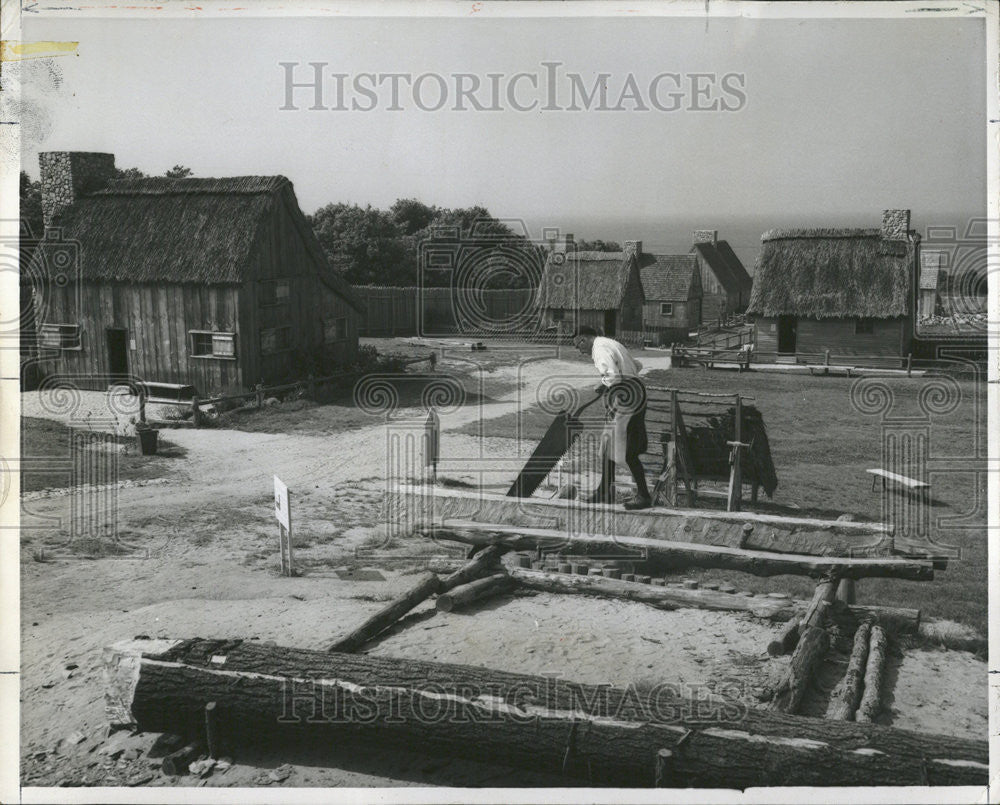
pixel 830 273
pixel 585 280
pixel 200 231
pixel 667 277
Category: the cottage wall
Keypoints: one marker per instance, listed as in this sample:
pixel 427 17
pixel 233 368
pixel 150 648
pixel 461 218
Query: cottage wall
pixel 156 318
pixel 891 337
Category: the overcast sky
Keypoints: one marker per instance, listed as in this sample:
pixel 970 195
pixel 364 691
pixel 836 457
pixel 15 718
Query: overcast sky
pixel 841 118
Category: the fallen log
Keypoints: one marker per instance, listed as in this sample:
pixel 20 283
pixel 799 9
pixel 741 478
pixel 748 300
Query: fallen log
pixel 809 652
pixel 465 594
pixel 427 584
pixel 659 597
pixel 662 554
pixel 848 693
pixel 871 699
pixel 608 735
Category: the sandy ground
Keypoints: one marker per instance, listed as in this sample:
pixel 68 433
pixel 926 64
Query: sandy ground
pixel 202 561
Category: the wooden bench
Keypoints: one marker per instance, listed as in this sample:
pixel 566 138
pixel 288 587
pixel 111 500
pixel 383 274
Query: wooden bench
pixel 166 393
pixel 910 484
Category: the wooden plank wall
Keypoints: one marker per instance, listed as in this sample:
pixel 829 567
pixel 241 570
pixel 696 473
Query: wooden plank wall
pixel 156 318
pixel 891 337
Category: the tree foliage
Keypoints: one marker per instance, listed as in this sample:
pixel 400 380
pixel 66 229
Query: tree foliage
pixel 597 245
pixel 368 246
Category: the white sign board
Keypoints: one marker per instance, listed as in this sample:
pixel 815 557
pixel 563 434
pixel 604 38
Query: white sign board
pixel 281 502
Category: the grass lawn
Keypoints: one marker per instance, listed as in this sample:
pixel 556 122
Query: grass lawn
pixel 822 446
pixel 45 438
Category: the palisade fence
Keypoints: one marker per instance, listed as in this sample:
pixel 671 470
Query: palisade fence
pixel 392 311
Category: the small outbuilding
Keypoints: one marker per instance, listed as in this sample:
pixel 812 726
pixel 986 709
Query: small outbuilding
pixel 212 283
pixel 726 284
pixel 671 284
pixel 599 289
pixel 848 291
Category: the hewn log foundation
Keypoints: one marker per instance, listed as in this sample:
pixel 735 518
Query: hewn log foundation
pixel 608 735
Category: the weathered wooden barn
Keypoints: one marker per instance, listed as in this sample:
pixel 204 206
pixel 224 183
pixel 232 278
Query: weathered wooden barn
pixel 599 289
pixel 671 284
pixel 214 283
pixel 848 291
pixel 726 285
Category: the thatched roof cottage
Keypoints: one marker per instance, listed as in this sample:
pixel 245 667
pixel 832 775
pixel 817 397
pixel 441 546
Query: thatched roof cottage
pixel 599 289
pixel 725 283
pixel 671 284
pixel 212 283
pixel 848 291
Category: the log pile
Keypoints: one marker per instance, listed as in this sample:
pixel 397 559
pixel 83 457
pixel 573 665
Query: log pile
pixel 601 734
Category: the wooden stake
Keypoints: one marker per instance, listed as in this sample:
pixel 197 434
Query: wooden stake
pixel 871 699
pixel 212 730
pixel 846 591
pixel 848 693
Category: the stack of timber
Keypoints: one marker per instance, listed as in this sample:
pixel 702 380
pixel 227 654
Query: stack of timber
pixel 601 734
pixel 414 505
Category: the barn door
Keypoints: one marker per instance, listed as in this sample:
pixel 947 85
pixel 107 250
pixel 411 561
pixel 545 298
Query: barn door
pixel 609 323
pixel 787 328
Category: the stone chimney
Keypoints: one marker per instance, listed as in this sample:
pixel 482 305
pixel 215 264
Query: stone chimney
pixel 633 247
pixel 563 244
pixel 68 175
pixel 706 236
pixel 895 224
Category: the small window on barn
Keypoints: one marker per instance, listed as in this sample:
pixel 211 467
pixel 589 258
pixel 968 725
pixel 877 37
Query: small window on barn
pixel 335 330
pixel 558 314
pixel 666 308
pixel 275 339
pixel 60 336
pixel 274 292
pixel 208 344
pixel 864 327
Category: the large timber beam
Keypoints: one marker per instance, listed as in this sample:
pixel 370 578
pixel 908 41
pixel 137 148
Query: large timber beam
pixel 411 504
pixel 608 735
pixel 668 554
